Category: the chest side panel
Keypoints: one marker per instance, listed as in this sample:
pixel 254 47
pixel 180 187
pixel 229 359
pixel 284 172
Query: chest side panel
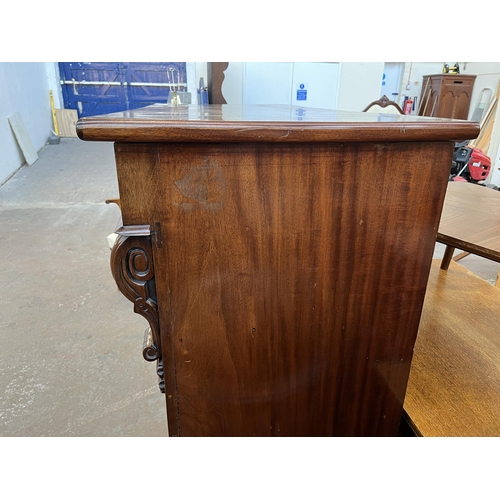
pixel 292 279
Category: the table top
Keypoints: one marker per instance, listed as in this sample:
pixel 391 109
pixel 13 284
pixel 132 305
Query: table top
pixel 471 219
pixel 454 384
pixel 275 123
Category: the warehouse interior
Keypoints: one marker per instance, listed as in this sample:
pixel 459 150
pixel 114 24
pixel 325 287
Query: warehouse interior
pixel 71 361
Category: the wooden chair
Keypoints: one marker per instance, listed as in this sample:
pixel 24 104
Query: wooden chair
pixel 384 105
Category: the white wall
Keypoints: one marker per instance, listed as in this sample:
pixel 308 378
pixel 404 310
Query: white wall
pixel 267 83
pixel 23 88
pixel 487 75
pixel 232 85
pixel 201 72
pixel 54 83
pixel 360 84
pixel 413 75
pixel 192 81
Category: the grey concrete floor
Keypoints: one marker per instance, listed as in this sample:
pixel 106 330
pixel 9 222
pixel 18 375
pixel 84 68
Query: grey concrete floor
pixel 484 268
pixel 70 344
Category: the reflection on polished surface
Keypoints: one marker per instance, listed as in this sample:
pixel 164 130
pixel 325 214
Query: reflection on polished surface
pixel 260 123
pixel 275 113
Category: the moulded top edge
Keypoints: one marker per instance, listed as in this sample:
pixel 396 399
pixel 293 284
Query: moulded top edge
pixel 166 123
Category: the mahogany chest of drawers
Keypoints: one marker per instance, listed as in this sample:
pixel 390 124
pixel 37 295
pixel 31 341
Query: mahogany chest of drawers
pixel 280 256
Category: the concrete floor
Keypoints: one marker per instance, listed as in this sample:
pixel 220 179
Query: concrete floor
pixel 70 345
pixel 484 268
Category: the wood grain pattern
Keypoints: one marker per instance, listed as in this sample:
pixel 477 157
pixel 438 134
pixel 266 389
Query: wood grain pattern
pixel 291 250
pixel 138 198
pixel 285 304
pixel 66 122
pixel 448 96
pixel 454 385
pixel 471 219
pixel 216 123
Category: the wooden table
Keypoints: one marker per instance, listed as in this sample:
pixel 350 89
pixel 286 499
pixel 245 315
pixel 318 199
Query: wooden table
pixel 454 385
pixel 470 221
pixel 280 256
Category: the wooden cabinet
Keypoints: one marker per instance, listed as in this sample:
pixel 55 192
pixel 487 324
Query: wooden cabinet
pixel 447 96
pixel 280 256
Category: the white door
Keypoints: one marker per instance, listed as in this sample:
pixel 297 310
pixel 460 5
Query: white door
pixel 315 85
pixel 391 80
pixel 300 84
pixel 267 83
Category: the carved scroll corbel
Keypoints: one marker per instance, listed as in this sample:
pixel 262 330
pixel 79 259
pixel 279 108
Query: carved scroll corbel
pixel 133 270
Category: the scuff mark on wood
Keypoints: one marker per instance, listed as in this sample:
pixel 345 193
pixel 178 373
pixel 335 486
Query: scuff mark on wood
pixel 202 187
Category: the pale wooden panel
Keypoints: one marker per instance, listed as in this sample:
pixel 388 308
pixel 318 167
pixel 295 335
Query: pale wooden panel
pixel 23 138
pixel 66 121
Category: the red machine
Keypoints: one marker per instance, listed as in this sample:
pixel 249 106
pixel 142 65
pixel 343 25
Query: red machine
pixel 469 164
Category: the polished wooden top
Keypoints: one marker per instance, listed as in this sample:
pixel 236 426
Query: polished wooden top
pixel 454 384
pixel 230 123
pixel 471 219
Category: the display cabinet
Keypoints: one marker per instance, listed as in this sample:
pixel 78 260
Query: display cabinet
pixel 446 96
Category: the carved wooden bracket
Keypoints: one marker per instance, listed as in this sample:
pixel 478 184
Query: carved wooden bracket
pixel 133 270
